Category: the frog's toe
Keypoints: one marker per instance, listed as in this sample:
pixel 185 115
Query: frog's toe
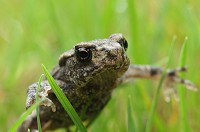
pixel 47 102
pixel 169 92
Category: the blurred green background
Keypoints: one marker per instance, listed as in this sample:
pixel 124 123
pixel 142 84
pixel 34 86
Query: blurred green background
pixel 34 32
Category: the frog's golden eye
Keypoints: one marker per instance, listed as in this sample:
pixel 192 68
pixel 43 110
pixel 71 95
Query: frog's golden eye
pixel 83 54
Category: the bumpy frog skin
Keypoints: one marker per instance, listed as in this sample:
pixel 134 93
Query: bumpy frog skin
pixel 87 74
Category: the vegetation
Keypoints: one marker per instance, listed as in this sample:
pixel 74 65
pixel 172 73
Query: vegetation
pixel 36 32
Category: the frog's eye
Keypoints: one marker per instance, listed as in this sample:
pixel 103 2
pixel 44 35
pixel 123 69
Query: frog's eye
pixel 123 43
pixel 83 54
pixel 120 39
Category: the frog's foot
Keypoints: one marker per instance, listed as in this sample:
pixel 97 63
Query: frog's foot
pixel 169 92
pixel 42 95
pixel 172 78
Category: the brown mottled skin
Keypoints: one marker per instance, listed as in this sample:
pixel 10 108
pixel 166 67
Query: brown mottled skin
pixel 87 74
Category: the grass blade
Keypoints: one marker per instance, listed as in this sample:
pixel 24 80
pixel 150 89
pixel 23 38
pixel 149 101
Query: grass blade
pixel 37 108
pixel 183 109
pixel 131 124
pixel 64 101
pixel 155 99
pixel 23 117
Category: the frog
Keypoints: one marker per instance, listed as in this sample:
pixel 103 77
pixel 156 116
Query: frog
pixel 87 74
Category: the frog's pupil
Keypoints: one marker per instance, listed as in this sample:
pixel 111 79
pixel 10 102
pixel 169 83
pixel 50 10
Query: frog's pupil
pixel 83 54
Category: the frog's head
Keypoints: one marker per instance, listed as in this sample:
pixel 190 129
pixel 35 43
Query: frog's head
pixel 96 58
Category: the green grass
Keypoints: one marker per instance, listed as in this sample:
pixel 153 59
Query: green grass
pixel 131 124
pixel 184 124
pixel 157 93
pixel 37 108
pixel 36 32
pixel 15 125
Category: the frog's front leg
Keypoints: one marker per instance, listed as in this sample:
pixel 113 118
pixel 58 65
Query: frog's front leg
pixel 43 92
pixel 150 72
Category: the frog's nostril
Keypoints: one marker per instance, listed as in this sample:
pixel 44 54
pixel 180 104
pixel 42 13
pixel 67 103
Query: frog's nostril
pixel 112 55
